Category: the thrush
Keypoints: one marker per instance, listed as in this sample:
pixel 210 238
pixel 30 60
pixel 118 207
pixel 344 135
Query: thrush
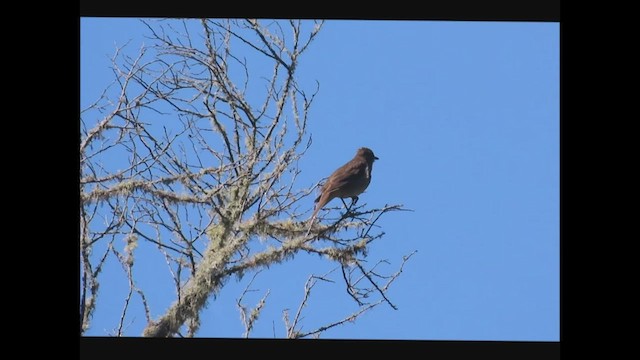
pixel 348 181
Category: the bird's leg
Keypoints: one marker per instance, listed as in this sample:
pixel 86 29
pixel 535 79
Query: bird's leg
pixel 354 200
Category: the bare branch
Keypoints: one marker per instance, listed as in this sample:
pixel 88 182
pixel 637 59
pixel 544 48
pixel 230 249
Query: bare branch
pixel 375 285
pixel 249 319
pixel 310 283
pixel 349 318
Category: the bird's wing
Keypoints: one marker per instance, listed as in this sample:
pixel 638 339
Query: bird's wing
pixel 347 175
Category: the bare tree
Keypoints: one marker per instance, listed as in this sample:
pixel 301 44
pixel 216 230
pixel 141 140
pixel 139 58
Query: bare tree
pixel 188 152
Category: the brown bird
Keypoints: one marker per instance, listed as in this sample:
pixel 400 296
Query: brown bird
pixel 349 181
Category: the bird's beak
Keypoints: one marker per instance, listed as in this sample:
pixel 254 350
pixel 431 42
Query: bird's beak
pixel 375 158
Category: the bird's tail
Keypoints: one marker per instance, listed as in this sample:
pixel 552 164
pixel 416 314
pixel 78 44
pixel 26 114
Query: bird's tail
pixel 312 219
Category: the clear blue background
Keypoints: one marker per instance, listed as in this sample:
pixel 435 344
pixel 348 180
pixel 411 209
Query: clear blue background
pixel 464 117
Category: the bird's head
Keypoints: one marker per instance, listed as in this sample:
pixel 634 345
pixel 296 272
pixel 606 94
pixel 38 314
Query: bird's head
pixel 367 154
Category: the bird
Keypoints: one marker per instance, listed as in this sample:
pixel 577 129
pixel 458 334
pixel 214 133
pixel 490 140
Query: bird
pixel 348 181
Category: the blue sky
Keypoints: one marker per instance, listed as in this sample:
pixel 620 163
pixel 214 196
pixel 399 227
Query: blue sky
pixel 464 117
